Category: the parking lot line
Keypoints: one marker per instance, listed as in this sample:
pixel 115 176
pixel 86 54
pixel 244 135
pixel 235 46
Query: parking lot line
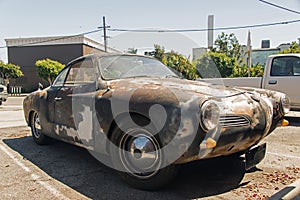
pixel 35 177
pixel 284 155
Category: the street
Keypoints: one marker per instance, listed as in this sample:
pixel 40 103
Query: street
pixel 63 171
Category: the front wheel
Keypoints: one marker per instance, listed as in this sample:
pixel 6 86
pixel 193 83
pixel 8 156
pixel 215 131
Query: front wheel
pixel 36 130
pixel 138 157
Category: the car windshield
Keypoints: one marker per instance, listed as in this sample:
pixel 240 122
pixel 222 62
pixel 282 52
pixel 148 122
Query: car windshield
pixel 127 66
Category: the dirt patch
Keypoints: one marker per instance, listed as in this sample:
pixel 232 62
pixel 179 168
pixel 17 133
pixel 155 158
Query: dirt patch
pixel 266 183
pixel 14 132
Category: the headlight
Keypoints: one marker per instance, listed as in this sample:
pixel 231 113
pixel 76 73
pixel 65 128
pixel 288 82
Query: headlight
pixel 210 114
pixel 285 104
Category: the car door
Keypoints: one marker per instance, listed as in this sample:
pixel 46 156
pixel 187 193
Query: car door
pixel 78 89
pixel 47 103
pixel 52 91
pixel 285 77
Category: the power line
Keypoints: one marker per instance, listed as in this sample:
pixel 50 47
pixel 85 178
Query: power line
pixel 281 7
pixel 161 31
pixel 204 29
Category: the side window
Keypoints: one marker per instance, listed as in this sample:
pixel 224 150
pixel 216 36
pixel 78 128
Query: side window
pixel 82 72
pixel 285 66
pixel 60 79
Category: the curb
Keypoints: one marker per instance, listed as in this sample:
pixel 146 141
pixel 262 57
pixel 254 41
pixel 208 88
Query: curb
pixel 290 192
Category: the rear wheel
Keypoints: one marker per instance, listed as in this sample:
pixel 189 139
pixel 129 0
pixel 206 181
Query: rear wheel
pixel 139 159
pixel 36 130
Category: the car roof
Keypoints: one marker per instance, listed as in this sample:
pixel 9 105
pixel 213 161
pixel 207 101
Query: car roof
pixel 99 55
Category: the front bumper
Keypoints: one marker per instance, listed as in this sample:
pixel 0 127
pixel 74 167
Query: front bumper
pixel 255 155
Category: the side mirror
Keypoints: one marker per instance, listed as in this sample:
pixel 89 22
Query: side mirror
pixel 40 86
pixel 102 85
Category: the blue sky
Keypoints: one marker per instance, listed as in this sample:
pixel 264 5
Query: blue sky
pixel 38 18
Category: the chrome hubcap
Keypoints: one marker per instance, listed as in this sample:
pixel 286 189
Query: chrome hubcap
pixel 140 153
pixel 143 152
pixel 36 126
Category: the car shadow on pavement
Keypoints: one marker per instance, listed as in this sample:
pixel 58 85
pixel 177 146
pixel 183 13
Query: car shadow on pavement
pixel 78 169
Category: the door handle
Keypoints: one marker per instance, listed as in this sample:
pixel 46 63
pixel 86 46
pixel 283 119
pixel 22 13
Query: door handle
pixel 272 82
pixel 57 98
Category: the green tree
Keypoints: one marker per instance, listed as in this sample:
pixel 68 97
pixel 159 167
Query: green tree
pixel 225 60
pixel 160 53
pixel 229 45
pixel 132 50
pixel 295 48
pixel 215 65
pixel 242 71
pixel 9 70
pixel 48 69
pixel 177 62
pixel 221 60
pixel 181 64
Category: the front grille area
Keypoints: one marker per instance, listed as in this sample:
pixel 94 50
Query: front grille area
pixel 227 121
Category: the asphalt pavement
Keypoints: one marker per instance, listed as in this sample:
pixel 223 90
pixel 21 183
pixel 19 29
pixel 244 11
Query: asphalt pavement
pixel 11 112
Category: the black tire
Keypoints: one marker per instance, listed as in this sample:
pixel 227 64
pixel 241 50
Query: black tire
pixel 134 165
pixel 36 130
pixel 0 102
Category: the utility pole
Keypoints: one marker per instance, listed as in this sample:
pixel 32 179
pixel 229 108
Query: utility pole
pixel 104 33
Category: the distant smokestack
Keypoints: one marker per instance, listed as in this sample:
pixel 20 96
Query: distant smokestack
pixel 210 32
pixel 249 51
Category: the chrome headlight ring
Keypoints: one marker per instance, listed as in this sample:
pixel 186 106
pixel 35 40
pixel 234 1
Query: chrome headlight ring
pixel 210 115
pixel 285 104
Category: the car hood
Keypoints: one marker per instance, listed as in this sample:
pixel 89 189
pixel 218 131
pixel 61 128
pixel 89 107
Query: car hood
pixel 175 85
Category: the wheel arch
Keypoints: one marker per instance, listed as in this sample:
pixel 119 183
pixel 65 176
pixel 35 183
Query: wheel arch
pixel 114 124
pixel 31 112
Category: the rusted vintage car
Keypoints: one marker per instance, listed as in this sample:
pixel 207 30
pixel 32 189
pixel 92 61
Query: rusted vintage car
pixel 148 120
